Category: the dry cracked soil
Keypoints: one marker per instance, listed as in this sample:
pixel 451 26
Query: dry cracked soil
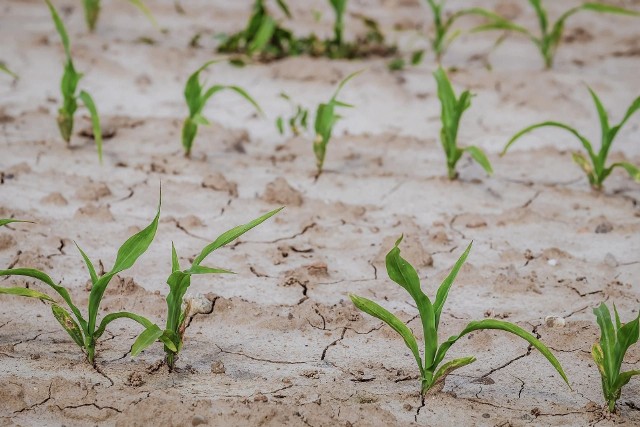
pixel 280 343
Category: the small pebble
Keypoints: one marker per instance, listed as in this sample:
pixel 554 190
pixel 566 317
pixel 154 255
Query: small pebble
pixel 552 262
pixel 604 227
pixel 217 367
pixel 555 321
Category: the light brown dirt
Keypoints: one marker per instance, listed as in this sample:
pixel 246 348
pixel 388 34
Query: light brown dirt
pixel 283 344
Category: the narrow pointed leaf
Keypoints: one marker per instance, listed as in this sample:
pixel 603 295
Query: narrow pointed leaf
pixel 231 235
pixel 26 292
pixel 5 221
pixel 69 325
pixel 479 156
pixel 377 311
pixel 443 290
pixel 145 339
pixel 95 120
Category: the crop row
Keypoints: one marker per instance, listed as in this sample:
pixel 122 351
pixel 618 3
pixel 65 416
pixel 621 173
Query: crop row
pixel 608 353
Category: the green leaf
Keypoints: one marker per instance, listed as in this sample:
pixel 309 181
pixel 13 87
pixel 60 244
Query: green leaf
pixel 583 162
pixel 201 269
pixel 627 335
pixel 263 35
pixel 146 323
pixel 607 339
pixel 602 114
pixel 449 367
pixel 606 8
pixel 231 235
pixel 26 292
pixel 5 69
pixel 479 156
pixel 246 96
pixel 443 290
pixel 280 125
pixel 585 142
pixel 633 108
pixel 5 221
pixel 43 277
pixel 175 262
pixel 624 378
pixel 344 82
pixel 144 9
pixel 69 325
pixel 403 273
pixel 145 339
pixel 127 255
pixel 396 324
pixel 62 31
pixel 89 264
pixel 95 120
pixel 508 327
pixel 284 7
pixel 632 170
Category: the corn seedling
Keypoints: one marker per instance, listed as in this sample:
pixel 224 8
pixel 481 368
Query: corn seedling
pixel 69 87
pixel 452 109
pixel 609 352
pixel 443 33
pixel 263 35
pixel 179 281
pixel 298 121
pixel 326 118
pixel 85 332
pixel 6 70
pixel 431 373
pixel 266 39
pixel 197 97
pixel 92 11
pixel 595 166
pixel 551 34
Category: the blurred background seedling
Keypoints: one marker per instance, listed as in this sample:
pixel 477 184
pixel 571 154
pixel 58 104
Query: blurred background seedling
pixel 92 12
pixel 451 114
pixel 298 122
pixel 550 34
pixel 595 164
pixel 85 332
pixel 178 310
pixel 69 88
pixel 443 32
pixel 197 97
pixel 608 353
pixel 265 38
pixel 432 373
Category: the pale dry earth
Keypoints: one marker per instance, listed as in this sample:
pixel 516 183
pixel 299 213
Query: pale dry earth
pixel 281 344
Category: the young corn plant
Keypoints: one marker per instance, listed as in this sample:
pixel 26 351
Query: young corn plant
pixel 595 164
pixel 179 281
pixel 92 11
pixel 432 373
pixel 452 109
pixel 86 331
pixel 263 35
pixel 326 118
pixel 197 97
pixel 551 34
pixel 69 88
pixel 298 121
pixel 443 33
pixel 609 352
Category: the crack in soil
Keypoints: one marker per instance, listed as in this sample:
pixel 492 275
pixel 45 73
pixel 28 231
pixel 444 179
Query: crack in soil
pixel 258 359
pixel 94 404
pixel 422 403
pixel 35 405
pixel 99 370
pixel 324 352
pixel 304 230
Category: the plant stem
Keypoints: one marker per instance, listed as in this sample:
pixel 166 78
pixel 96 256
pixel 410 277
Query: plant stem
pixel 452 172
pixel 170 359
pixel 612 406
pixel 91 351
